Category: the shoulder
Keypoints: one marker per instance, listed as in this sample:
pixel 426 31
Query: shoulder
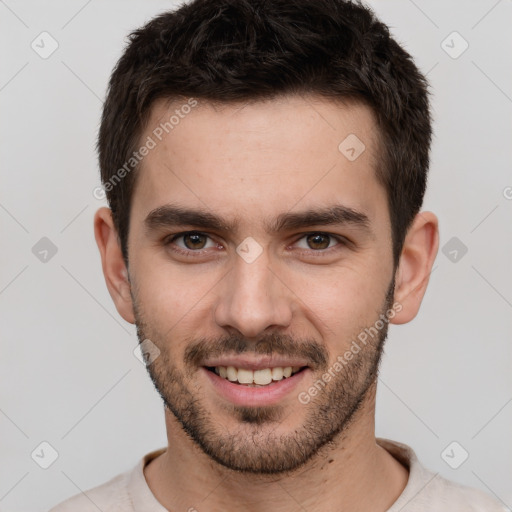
pixel 112 496
pixel 442 494
pixel 428 491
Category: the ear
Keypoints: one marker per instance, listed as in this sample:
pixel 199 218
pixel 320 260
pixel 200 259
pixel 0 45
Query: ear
pixel 114 268
pixel 415 265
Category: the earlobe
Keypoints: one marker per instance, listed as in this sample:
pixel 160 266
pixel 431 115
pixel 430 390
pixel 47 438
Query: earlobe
pixel 416 260
pixel 113 264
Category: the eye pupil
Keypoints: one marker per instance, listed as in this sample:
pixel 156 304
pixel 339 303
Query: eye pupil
pixel 318 241
pixel 196 241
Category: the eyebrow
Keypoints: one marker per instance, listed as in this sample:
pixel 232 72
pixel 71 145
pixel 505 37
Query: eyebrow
pixel 173 215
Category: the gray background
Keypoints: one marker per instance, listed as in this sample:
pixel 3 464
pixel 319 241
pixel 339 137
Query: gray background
pixel 68 373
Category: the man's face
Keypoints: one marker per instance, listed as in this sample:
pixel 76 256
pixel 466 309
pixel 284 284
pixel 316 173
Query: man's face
pixel 263 288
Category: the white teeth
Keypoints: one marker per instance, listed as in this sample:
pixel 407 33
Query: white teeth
pixel 245 376
pixel 261 377
pixel 277 373
pixel 231 373
pixel 258 377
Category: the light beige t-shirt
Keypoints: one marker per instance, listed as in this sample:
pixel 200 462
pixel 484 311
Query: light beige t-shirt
pixel 425 491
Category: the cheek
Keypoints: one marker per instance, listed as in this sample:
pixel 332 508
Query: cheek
pixel 340 304
pixel 169 296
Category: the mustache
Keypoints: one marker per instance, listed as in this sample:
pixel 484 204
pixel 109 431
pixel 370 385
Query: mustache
pixel 269 344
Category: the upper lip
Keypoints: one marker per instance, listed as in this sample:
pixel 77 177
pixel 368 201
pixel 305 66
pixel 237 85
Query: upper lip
pixel 251 363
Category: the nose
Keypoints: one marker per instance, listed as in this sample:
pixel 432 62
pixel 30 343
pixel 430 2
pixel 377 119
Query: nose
pixel 253 298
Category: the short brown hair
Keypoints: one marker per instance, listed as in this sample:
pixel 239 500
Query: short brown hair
pixel 239 50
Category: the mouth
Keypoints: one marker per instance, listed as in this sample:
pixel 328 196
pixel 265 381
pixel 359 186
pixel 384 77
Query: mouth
pixel 254 385
pixel 255 378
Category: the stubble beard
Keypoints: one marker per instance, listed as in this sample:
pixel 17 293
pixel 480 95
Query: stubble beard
pixel 254 445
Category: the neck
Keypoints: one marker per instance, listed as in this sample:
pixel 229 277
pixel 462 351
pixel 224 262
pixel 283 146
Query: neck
pixel 351 473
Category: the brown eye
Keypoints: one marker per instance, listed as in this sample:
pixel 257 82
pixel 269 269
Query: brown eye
pixel 194 241
pixel 190 242
pixel 318 241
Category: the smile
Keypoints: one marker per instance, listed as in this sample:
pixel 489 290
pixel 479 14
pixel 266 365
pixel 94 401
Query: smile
pixel 239 386
pixel 255 378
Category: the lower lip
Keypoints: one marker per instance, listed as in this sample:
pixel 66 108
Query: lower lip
pixel 252 396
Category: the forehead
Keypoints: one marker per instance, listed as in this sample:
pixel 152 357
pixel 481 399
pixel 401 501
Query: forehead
pixel 260 158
